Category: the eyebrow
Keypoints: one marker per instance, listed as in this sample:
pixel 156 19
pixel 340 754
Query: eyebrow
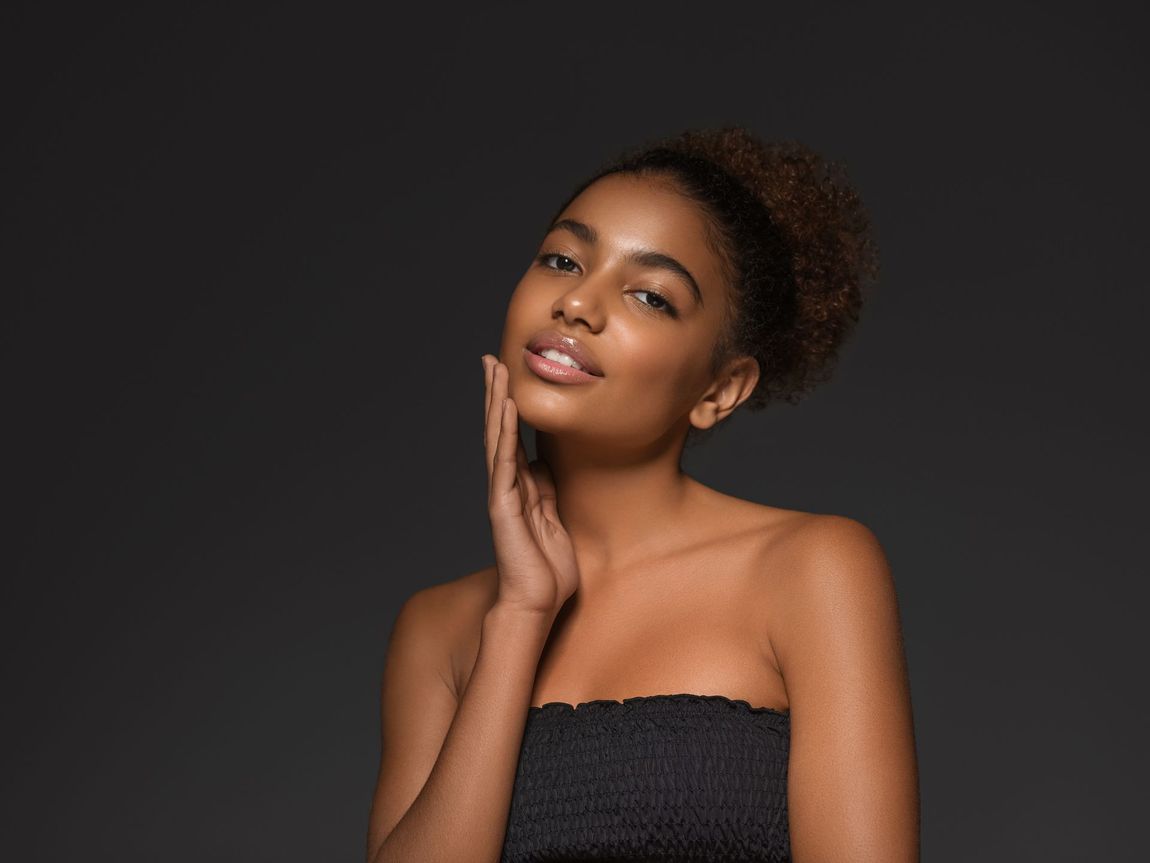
pixel 642 257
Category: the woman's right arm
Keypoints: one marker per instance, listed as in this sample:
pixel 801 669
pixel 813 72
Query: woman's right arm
pixel 460 812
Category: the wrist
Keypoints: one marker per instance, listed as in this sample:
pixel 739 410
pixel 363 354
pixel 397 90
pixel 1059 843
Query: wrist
pixel 503 614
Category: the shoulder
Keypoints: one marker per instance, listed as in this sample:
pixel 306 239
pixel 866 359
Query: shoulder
pixel 727 519
pixel 821 572
pixel 455 594
pixel 787 542
pixel 446 618
pixel 829 559
pixel 837 637
pixel 835 610
pixel 445 605
pixel 833 546
pixel 791 544
pixel 438 612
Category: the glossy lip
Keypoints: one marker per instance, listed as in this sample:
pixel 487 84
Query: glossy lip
pixel 576 350
pixel 555 371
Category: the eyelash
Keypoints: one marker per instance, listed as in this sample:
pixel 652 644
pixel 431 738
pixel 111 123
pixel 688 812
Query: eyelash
pixel 666 308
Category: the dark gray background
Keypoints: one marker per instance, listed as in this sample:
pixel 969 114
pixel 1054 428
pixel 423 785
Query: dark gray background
pixel 252 256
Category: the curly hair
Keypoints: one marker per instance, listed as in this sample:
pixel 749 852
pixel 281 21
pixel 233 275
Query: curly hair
pixel 794 242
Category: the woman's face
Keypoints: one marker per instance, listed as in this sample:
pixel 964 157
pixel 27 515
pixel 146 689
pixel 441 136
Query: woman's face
pixel 615 273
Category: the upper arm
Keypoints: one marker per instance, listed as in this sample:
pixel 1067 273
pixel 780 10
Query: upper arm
pixel 417 706
pixel 852 785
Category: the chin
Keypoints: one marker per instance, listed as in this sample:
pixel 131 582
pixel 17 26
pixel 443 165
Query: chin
pixel 548 412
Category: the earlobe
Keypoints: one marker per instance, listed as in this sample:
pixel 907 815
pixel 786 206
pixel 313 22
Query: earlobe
pixel 704 414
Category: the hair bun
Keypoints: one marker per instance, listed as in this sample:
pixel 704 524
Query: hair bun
pixel 833 255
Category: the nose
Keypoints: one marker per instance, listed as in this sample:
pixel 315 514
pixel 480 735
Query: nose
pixel 582 302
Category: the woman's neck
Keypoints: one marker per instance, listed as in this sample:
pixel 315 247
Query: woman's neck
pixel 616 508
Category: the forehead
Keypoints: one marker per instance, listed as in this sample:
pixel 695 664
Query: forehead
pixel 629 212
pixel 647 208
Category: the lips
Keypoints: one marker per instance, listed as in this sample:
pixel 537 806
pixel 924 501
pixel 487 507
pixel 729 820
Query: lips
pixel 579 352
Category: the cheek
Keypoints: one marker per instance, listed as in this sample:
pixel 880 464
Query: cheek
pixel 520 319
pixel 664 376
pixel 531 301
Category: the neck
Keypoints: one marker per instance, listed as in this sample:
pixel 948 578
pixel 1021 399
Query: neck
pixel 616 506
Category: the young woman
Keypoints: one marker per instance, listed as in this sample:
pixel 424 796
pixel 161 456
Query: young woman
pixel 654 670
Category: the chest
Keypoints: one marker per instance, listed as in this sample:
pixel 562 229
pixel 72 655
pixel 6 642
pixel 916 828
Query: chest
pixel 695 625
pixel 704 639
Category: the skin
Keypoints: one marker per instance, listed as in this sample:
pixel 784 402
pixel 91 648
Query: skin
pixel 614 446
pixel 683 589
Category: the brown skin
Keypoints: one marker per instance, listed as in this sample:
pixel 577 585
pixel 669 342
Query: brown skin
pixel 682 589
pixel 613 446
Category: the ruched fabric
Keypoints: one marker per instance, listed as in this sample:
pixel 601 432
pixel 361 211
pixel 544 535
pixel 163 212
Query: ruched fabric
pixel 656 777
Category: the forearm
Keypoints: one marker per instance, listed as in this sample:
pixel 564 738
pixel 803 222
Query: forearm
pixel 460 815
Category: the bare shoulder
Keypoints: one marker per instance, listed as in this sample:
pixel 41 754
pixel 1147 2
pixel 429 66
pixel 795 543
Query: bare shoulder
pixel 835 575
pixel 450 613
pixel 787 545
pixel 418 695
pixel 837 636
pixel 822 541
pixel 457 595
pixel 795 552
pixel 826 552
pixel 730 517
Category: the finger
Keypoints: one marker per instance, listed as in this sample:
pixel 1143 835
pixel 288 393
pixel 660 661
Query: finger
pixel 543 478
pixel 527 484
pixel 545 483
pixel 503 472
pixel 486 398
pixel 486 387
pixel 487 374
pixel 498 393
pixel 491 424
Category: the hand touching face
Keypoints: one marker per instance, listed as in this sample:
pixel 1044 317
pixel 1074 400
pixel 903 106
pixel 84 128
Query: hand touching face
pixel 627 272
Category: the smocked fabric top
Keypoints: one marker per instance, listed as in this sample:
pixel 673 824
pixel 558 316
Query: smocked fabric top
pixel 655 777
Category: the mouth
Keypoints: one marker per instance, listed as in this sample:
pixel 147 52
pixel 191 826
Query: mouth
pixel 566 351
pixel 556 371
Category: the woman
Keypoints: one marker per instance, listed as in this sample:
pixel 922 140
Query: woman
pixel 653 669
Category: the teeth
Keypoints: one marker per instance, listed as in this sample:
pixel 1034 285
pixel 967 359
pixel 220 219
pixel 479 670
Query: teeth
pixel 560 357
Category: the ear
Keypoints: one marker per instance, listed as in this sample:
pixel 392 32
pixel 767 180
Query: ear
pixel 729 390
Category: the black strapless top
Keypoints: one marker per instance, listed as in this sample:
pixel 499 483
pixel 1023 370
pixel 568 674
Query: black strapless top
pixel 654 777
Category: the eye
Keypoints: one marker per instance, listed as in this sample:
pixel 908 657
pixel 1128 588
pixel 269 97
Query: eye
pixel 546 256
pixel 662 304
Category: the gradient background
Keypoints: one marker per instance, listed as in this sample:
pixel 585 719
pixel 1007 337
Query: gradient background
pixel 251 257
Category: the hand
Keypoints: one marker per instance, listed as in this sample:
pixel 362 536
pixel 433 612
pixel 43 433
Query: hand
pixel 533 553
